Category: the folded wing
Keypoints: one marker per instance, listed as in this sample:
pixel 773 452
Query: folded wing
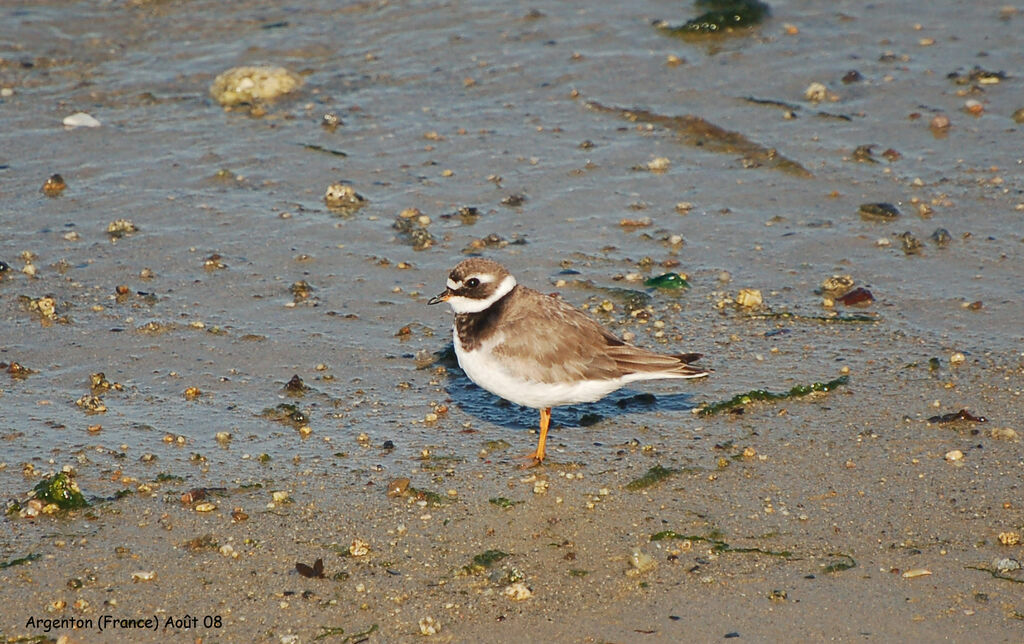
pixel 547 340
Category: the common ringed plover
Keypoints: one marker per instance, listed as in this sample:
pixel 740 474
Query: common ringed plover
pixel 538 351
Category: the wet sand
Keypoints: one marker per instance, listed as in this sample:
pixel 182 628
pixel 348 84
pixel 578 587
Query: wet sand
pixel 842 515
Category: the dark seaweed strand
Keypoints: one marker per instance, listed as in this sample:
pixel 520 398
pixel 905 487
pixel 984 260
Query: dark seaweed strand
pixel 798 391
pixel 336 631
pixel 996 574
pixel 717 545
pixel 20 560
pixel 847 563
pixel 786 315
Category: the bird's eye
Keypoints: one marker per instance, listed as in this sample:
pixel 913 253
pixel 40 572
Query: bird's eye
pixel 472 282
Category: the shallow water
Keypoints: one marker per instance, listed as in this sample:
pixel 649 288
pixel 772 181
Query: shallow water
pixel 506 91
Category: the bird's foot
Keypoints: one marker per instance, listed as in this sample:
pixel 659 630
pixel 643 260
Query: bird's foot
pixel 532 460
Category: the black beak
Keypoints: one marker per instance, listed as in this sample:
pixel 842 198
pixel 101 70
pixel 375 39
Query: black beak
pixel 440 297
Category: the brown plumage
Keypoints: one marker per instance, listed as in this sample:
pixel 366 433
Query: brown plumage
pixel 539 351
pixel 547 340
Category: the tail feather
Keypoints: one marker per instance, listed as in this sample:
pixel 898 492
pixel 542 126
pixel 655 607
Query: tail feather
pixel 632 360
pixel 688 357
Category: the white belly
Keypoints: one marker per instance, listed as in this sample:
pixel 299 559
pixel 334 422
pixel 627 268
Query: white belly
pixel 489 373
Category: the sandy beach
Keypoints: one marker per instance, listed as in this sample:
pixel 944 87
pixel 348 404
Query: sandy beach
pixel 213 322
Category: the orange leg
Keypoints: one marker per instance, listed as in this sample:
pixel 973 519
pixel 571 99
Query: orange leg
pixel 545 421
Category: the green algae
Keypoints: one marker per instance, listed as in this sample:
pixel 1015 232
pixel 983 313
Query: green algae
pixel 286 413
pixel 720 16
pixel 432 498
pixel 19 561
pixel 484 560
pixel 503 502
pixel 741 400
pixel 655 475
pixel 60 490
pixel 667 281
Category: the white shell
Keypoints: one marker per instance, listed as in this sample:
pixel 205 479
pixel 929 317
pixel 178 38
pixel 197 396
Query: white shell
pixel 80 119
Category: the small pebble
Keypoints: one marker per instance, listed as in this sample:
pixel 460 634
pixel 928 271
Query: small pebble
pixel 911 244
pixel 429 626
pixel 54 185
pixel 518 592
pixel 749 298
pixel 121 227
pixel 251 85
pixel 80 119
pixel 974 107
pixel 1004 434
pixel 941 237
pixel 193 495
pixel 1006 564
pixel 660 164
pixel 816 92
pixel 641 562
pixel 359 548
pixel 879 211
pixel 852 76
pixel 837 285
pixel 954 455
pixel 859 296
pixel 397 487
pixel 940 122
pixel 343 197
pixel 1009 538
